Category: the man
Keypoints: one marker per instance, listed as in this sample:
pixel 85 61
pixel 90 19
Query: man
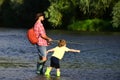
pixel 43 42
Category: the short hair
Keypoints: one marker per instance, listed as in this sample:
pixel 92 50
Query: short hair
pixel 61 43
pixel 38 15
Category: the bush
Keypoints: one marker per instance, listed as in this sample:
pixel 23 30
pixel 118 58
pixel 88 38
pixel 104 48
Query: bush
pixel 91 25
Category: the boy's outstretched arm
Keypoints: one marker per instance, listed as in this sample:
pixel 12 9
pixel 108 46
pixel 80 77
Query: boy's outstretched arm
pixel 74 50
pixel 50 50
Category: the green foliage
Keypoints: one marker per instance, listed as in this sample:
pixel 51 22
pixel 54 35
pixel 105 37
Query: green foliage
pixel 89 8
pixel 91 25
pixel 17 1
pixel 20 13
pixel 61 13
pixel 95 7
pixel 116 15
pixel 54 14
pixel 60 9
pixel 9 11
pixel 1 2
pixel 12 2
pixel 84 6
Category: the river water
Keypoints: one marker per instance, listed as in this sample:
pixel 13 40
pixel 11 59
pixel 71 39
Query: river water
pixel 99 58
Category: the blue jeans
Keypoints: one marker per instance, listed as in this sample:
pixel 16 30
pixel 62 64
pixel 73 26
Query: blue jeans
pixel 42 51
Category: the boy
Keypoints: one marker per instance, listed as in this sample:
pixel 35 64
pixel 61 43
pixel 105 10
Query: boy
pixel 58 55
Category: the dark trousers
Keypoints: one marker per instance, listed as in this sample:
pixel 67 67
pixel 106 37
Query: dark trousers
pixel 55 62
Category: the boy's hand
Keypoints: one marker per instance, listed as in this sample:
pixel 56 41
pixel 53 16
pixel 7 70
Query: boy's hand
pixel 46 52
pixel 78 51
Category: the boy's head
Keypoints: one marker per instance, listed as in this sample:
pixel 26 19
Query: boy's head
pixel 61 43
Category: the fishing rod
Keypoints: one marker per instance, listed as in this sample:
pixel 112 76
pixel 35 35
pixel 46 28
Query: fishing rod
pixel 70 42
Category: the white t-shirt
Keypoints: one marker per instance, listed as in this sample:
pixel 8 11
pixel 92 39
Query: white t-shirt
pixel 60 51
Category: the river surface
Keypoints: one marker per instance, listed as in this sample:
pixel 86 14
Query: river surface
pixel 99 58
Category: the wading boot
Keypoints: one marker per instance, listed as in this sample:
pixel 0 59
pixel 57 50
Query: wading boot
pixel 58 73
pixel 39 68
pixel 47 73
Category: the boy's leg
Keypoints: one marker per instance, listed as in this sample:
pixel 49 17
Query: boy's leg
pixel 58 72
pixel 48 70
pixel 57 66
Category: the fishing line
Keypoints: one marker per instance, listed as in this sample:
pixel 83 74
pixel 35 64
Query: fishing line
pixel 70 42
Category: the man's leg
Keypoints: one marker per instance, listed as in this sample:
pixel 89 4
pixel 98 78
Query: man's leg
pixel 40 66
pixel 41 71
pixel 42 59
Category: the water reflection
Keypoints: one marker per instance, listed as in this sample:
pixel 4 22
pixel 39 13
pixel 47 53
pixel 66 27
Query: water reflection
pixel 42 77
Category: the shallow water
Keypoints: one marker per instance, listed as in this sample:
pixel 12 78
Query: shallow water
pixel 99 58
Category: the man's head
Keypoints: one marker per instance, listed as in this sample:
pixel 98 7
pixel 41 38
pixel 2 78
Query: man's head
pixel 40 16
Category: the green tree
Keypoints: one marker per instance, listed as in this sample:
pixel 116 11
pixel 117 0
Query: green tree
pixel 116 15
pixel 54 12
pixel 9 10
pixel 61 11
pixel 1 2
pixel 20 13
pixel 94 8
pixel 55 15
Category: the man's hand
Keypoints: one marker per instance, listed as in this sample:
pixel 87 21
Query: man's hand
pixel 49 40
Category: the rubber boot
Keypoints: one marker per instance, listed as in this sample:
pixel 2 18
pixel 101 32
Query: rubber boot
pixel 58 73
pixel 40 65
pixel 47 73
pixel 39 68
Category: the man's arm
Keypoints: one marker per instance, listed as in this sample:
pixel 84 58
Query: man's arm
pixel 46 38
